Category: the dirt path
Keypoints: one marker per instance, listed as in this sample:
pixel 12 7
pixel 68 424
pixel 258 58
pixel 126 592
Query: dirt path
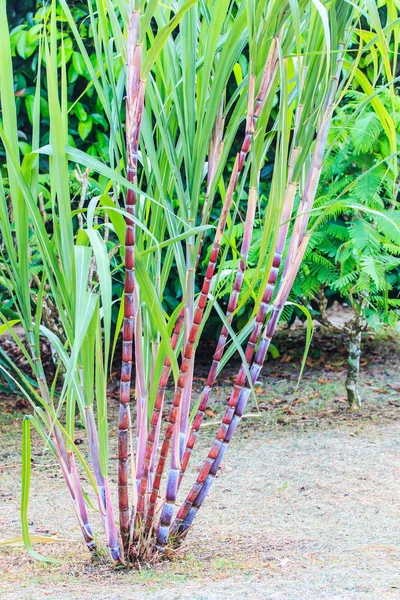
pixel 294 514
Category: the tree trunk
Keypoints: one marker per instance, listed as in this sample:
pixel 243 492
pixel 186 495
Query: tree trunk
pixel 353 370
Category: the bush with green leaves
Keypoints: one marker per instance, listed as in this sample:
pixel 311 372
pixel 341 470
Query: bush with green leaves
pixel 87 127
pixel 354 251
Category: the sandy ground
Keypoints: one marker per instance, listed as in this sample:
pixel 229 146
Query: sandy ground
pixel 306 506
pixel 297 514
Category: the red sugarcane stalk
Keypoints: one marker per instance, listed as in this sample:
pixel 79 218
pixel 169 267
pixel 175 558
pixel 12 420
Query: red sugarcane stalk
pixel 215 151
pixel 214 157
pixel 140 391
pixel 219 352
pixel 238 400
pixel 234 412
pixel 164 380
pixel 134 109
pixel 267 80
pixel 281 240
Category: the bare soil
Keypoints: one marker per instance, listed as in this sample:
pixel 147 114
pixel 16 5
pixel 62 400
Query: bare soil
pixel 307 504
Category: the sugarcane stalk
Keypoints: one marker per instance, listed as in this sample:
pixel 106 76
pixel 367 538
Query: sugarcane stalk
pixel 241 390
pixel 140 390
pixel 103 496
pixel 134 110
pixel 215 151
pixel 183 421
pixel 267 81
pixel 220 349
pixel 79 504
pixel 235 409
pixel 280 245
pixel 214 157
pixel 63 457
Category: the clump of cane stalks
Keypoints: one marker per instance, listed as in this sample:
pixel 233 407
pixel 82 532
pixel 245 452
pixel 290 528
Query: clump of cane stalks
pixel 187 154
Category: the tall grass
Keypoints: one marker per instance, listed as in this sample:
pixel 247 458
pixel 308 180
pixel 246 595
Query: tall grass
pixel 185 162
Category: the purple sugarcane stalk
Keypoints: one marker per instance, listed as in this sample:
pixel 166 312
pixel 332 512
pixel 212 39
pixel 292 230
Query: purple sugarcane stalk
pixel 134 109
pixel 79 502
pixel 103 497
pixel 267 81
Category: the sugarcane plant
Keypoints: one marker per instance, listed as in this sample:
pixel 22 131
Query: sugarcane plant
pixel 198 98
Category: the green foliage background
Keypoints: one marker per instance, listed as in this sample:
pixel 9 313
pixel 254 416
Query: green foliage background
pixel 352 252
pixel 88 130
